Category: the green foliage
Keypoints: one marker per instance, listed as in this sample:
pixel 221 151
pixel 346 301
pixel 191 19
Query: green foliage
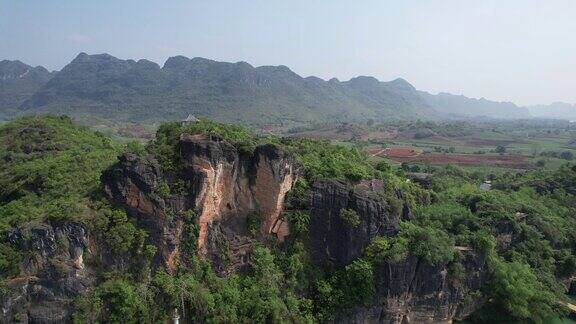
pixel 115 301
pixel 256 297
pixel 163 190
pixel 191 231
pixel 136 147
pixel 9 261
pixel 383 166
pixel 516 289
pixel 244 140
pixel 299 221
pixel 254 223
pixel 298 197
pixel 378 250
pixel 358 283
pixel 567 155
pixel 48 169
pixel 321 159
pixel 350 218
pixel 431 244
pixel 352 286
pixel 537 208
pixel 165 146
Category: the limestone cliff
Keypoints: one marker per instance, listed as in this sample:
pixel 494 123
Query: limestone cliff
pixel 52 273
pixel 226 187
pixel 408 291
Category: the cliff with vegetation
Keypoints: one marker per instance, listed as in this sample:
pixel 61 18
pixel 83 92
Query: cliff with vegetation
pixel 226 226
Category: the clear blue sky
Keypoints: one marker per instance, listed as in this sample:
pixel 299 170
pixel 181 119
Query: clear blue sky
pixel 518 50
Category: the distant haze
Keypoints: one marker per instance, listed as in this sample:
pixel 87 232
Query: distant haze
pixel 514 50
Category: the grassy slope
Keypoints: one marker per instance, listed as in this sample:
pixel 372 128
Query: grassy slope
pixel 48 168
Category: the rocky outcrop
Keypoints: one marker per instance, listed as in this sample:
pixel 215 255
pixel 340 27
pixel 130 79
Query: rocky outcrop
pixel 225 188
pixel 408 291
pixel 334 241
pixel 414 291
pixel 52 273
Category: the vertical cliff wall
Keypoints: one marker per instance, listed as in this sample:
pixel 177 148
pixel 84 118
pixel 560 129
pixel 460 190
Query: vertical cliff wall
pixel 226 188
pixel 408 291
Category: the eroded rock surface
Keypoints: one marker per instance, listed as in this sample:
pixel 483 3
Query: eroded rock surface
pixel 52 273
pixel 408 291
pixel 226 188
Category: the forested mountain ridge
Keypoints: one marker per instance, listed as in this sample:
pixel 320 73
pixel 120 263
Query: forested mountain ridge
pixel 227 226
pixel 461 106
pixel 558 110
pixel 103 85
pixel 19 81
pixel 142 91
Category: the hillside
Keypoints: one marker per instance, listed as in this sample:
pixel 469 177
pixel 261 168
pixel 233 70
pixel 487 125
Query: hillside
pixel 105 86
pixel 48 168
pixel 18 82
pixel 142 91
pixel 461 106
pixel 229 227
pixel 557 110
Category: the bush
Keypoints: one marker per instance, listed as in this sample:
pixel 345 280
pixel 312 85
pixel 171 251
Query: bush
pixel 350 218
pixel 500 149
pixel 357 283
pixel 299 221
pixel 431 244
pixel 378 250
pixel 515 289
pixel 9 261
pixel 136 147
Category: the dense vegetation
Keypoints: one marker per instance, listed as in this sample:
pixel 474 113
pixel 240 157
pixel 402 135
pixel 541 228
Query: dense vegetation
pixel 50 170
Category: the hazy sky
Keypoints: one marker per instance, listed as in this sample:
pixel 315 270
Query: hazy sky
pixel 518 50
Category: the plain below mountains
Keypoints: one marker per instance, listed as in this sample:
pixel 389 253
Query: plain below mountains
pixel 141 91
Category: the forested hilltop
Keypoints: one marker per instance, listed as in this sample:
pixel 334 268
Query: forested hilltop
pixel 219 225
pixel 141 91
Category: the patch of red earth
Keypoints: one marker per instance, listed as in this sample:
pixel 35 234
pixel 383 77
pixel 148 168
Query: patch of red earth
pixel 511 161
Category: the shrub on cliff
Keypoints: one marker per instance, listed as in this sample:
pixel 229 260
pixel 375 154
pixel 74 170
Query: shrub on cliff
pixel 431 244
pixel 350 218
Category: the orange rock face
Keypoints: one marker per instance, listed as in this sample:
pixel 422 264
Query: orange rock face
pixel 227 188
pixel 231 186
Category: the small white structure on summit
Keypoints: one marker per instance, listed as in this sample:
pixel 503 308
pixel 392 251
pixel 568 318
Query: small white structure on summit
pixel 190 119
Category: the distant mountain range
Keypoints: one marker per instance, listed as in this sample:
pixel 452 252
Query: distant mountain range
pixel 558 110
pixel 141 91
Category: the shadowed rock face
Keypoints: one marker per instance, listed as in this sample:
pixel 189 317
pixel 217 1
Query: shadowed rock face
pixel 52 273
pixel 332 240
pixel 226 187
pixel 408 291
pixel 414 291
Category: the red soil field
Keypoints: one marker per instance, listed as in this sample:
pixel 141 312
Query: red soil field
pixel 511 161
